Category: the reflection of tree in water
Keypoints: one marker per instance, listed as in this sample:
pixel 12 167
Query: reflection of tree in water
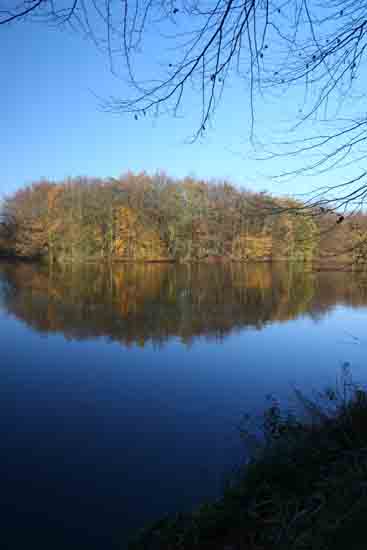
pixel 141 302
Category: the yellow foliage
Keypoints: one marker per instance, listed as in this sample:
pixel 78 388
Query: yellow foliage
pixel 247 247
pixel 135 242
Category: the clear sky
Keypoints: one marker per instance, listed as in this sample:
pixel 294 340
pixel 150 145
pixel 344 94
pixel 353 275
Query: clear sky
pixel 52 125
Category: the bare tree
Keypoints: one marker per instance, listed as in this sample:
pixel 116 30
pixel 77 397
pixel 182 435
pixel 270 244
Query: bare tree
pixel 275 47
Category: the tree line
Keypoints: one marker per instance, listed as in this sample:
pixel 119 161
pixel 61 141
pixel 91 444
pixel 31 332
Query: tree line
pixel 141 217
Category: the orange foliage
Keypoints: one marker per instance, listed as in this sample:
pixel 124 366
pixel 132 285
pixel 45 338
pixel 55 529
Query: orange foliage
pixel 135 242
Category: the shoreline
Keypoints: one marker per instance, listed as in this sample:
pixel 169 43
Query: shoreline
pixel 313 266
pixel 305 488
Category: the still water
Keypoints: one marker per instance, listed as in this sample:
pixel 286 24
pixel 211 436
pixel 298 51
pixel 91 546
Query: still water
pixel 122 388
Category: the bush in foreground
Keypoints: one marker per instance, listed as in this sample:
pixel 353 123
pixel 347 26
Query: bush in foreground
pixel 304 488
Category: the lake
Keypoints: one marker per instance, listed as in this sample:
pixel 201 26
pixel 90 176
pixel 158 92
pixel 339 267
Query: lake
pixel 123 387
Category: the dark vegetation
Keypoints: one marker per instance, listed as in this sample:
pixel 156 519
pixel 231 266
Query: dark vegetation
pixel 304 488
pixel 156 218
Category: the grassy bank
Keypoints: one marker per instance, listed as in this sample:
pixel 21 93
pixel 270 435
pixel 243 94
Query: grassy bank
pixel 304 488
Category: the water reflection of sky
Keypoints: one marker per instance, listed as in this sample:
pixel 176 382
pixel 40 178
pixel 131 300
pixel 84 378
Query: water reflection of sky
pixel 103 437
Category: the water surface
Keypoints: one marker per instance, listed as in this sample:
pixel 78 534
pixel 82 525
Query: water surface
pixel 122 388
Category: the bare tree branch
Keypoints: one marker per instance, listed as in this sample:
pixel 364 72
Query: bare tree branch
pixel 312 49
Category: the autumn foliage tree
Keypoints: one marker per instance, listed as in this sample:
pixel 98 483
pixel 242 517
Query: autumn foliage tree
pixel 139 217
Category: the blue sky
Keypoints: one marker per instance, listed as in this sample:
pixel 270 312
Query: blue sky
pixel 52 125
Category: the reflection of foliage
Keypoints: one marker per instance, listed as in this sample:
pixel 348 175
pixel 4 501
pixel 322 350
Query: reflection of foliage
pixel 137 303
